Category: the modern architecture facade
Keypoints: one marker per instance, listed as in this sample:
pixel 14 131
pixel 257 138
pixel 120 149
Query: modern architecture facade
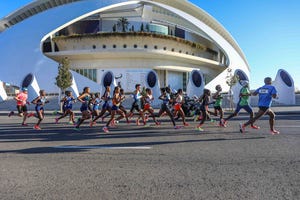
pixel 126 41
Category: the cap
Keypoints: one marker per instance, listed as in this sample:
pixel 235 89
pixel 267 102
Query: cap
pixel 24 89
pixel 244 83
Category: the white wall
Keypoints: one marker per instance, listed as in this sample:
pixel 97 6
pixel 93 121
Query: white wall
pixel 175 80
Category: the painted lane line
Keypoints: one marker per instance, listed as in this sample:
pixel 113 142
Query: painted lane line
pixel 102 147
pixel 292 126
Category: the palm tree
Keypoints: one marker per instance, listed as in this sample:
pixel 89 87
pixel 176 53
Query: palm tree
pixel 123 23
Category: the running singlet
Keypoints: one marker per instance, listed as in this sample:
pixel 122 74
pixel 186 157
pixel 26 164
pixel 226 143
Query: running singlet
pixel 40 103
pixel 137 97
pixel 166 100
pixel 265 95
pixel 218 101
pixel 205 103
pixel 22 99
pixel 107 96
pixel 85 104
pixel 244 100
pixel 68 103
pixel 97 104
pixel 148 101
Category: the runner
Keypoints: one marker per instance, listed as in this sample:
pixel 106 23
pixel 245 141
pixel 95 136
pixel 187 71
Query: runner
pixel 205 99
pixel 39 102
pixel 136 105
pixel 121 107
pixel 116 100
pixel 165 97
pixel 148 99
pixel 218 104
pixel 96 101
pixel 22 103
pixel 85 99
pixel 67 107
pixel 177 106
pixel 105 107
pixel 265 93
pixel 243 104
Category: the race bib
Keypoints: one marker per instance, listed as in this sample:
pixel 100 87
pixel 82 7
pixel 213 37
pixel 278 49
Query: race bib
pixel 263 91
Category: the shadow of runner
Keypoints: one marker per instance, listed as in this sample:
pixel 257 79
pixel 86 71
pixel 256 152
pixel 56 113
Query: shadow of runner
pixel 72 148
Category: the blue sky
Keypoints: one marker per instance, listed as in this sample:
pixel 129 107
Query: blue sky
pixel 268 32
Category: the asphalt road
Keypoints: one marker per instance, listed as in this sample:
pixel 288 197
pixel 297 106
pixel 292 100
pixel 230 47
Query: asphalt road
pixel 152 162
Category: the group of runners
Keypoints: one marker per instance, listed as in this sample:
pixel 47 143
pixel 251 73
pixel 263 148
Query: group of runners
pixel 171 106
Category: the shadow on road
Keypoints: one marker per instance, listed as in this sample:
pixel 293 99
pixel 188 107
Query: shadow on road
pixel 65 149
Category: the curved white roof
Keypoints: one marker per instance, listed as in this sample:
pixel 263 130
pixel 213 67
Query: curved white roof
pixel 45 17
pixel 42 5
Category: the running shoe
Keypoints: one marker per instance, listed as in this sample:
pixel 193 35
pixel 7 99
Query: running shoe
pixel 255 127
pixel 177 127
pixel 92 123
pixel 212 121
pixel 157 123
pixel 56 120
pixel 105 129
pixel 24 124
pixel 76 129
pixel 36 127
pixel 137 122
pixel 146 125
pixel 273 132
pixel 30 114
pixel 242 128
pixel 185 124
pixel 11 113
pixel 224 122
pixel 70 122
pixel 198 128
pixel 221 124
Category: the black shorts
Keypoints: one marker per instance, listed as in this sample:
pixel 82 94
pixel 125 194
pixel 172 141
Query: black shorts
pixel 135 106
pixel 217 107
pixel 21 109
pixel 263 108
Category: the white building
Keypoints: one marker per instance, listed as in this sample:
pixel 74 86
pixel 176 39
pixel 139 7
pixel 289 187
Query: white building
pixel 168 37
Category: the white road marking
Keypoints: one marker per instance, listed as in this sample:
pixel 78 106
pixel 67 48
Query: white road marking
pixel 102 147
pixel 291 126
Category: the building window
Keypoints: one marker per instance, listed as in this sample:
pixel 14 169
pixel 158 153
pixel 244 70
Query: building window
pixel 114 46
pixel 124 46
pixel 94 46
pixel 165 48
pixel 104 46
pixel 155 47
pixel 173 49
pixel 88 73
pixel 145 46
pixel 135 46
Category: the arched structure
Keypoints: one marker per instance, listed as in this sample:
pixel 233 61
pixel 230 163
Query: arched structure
pixel 172 37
